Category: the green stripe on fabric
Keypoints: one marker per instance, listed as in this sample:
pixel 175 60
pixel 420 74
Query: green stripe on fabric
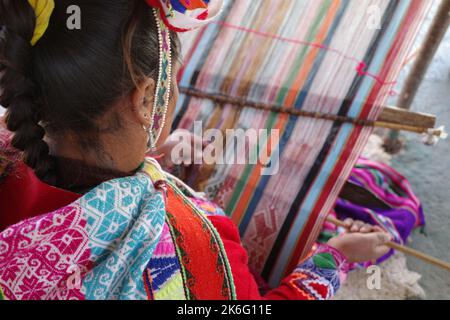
pixel 270 123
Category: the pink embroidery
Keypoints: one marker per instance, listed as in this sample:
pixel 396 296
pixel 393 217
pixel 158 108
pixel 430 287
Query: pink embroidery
pixel 165 245
pixel 45 257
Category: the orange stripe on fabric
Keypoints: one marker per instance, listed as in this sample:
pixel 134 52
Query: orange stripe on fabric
pixel 389 63
pixel 204 276
pixel 281 123
pixel 312 55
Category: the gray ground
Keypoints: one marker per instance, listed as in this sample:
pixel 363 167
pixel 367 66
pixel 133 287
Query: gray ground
pixel 428 169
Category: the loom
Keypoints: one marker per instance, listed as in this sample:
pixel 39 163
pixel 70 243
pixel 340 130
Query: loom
pixel 320 72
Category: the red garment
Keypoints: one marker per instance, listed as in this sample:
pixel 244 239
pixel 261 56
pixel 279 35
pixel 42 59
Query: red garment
pixel 246 286
pixel 23 195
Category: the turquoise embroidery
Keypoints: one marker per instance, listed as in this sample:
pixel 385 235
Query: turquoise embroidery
pixel 125 218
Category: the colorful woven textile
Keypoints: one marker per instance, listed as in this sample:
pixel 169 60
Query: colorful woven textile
pixel 206 278
pixel 98 248
pixel 321 271
pixel 330 56
pixel 402 211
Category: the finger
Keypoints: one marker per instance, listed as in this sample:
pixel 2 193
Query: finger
pixel 196 140
pixel 367 228
pixel 378 229
pixel 197 157
pixel 382 238
pixel 206 143
pixel 356 227
pixel 348 223
pixel 381 251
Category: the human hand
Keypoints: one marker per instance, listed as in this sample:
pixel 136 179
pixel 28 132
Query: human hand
pixel 181 148
pixel 362 242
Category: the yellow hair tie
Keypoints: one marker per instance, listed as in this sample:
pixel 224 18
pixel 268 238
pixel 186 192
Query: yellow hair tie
pixel 43 10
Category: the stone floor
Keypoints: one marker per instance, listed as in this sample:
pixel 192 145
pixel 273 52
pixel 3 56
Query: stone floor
pixel 428 170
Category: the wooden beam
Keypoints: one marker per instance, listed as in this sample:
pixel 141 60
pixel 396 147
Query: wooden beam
pixel 406 117
pixel 391 117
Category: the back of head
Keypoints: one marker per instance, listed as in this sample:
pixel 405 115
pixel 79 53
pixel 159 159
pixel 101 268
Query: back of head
pixel 70 78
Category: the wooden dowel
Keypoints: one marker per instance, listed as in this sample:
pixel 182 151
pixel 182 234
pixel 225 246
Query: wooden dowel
pixel 401 127
pixel 391 117
pixel 403 249
pixel 407 117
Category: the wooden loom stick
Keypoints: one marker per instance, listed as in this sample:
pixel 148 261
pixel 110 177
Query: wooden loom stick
pixel 400 248
pixel 406 117
pixel 390 118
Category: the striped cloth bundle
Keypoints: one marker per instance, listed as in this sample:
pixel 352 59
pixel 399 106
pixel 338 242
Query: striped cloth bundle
pixel 337 57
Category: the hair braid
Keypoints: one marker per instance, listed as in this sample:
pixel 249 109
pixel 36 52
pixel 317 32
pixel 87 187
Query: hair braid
pixel 19 94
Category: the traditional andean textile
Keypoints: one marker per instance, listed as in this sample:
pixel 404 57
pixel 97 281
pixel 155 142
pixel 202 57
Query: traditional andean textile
pixel 330 56
pixel 398 210
pixel 98 247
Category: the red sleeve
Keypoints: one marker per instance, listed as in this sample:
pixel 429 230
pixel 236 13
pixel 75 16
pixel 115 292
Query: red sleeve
pixel 307 282
pixel 246 287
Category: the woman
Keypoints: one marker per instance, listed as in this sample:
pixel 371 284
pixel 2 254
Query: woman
pixel 85 214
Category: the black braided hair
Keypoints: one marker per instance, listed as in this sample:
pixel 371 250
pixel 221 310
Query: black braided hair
pixel 19 94
pixel 70 78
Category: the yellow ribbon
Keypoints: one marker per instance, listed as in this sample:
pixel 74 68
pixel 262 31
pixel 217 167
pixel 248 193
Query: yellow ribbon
pixel 43 10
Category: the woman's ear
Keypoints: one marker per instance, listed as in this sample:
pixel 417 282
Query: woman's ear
pixel 142 101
